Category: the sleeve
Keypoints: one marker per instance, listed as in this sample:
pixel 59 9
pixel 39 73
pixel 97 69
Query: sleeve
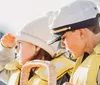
pixel 2 83
pixel 63 79
pixel 98 78
pixel 6 54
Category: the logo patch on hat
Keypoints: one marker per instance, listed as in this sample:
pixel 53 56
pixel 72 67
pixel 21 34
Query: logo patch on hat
pixel 60 30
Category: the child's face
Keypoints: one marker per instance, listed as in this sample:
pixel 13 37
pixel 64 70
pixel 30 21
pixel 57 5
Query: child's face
pixel 75 41
pixel 26 51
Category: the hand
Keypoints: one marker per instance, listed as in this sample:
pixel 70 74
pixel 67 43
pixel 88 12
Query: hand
pixel 8 40
pixel 67 83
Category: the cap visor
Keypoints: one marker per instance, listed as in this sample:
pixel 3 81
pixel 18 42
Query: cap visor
pixel 54 40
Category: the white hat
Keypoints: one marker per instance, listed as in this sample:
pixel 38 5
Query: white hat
pixel 79 14
pixel 37 33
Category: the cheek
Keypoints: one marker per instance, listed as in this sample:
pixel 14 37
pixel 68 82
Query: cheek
pixel 76 46
pixel 72 43
pixel 25 53
pixel 69 43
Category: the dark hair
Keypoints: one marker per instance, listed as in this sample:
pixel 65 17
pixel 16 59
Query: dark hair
pixel 95 28
pixel 47 56
pixel 42 53
pixel 39 55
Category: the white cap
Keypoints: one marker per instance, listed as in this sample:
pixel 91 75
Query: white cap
pixel 37 33
pixel 79 14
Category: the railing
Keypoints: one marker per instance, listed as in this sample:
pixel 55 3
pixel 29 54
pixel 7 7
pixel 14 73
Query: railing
pixel 38 63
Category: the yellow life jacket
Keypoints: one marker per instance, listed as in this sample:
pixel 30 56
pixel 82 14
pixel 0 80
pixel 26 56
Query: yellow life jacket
pixel 62 64
pixel 13 65
pixel 85 73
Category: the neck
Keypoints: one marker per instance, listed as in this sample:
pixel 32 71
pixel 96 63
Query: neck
pixel 92 42
pixel 89 47
pixel 97 39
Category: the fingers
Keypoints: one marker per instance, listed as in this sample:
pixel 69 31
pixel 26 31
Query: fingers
pixel 8 40
pixel 9 36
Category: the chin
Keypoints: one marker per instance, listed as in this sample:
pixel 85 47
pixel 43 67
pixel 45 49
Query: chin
pixel 76 55
pixel 21 62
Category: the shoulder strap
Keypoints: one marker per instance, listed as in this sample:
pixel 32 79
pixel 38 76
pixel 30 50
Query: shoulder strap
pixel 62 64
pixel 13 65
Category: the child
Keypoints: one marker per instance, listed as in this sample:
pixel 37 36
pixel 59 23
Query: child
pixel 31 46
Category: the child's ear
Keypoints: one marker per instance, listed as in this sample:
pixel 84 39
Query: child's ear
pixel 82 32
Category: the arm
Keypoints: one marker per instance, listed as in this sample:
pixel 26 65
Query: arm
pixel 63 79
pixel 6 49
pixel 6 54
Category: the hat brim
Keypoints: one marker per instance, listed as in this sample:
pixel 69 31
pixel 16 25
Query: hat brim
pixel 36 41
pixel 54 40
pixel 75 26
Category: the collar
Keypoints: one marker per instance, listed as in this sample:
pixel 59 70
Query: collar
pixel 97 49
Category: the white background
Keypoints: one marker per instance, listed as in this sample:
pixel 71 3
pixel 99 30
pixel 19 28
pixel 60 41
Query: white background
pixel 14 14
